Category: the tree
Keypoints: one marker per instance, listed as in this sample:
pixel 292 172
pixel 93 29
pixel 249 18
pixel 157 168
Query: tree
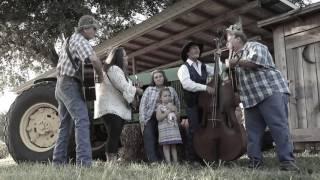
pixel 29 29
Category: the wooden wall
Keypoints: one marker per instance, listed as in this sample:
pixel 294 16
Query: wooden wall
pixel 297 55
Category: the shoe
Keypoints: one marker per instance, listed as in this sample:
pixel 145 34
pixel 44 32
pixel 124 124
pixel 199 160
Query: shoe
pixel 111 157
pixel 289 166
pixel 255 164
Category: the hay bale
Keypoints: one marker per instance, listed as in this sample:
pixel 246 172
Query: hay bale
pixel 3 150
pixel 132 143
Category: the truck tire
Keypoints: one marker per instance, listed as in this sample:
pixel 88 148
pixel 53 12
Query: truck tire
pixel 32 123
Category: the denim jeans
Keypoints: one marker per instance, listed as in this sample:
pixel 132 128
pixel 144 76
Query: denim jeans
pixel 150 140
pixel 271 112
pixel 72 109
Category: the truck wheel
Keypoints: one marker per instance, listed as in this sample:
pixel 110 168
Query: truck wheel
pixel 32 124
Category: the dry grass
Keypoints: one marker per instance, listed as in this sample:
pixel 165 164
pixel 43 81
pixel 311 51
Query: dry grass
pixel 309 164
pixel 3 150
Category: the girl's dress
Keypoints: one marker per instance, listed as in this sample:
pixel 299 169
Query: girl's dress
pixel 168 128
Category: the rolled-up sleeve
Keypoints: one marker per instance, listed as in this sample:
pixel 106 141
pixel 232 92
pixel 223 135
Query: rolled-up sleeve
pixel 143 106
pixel 176 99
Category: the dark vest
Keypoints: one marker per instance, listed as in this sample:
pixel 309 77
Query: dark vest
pixel 191 98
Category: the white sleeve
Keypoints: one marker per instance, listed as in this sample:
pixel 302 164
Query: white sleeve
pixel 210 68
pixel 120 82
pixel 187 83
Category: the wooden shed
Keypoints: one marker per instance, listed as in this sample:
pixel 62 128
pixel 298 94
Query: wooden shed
pixel 296 36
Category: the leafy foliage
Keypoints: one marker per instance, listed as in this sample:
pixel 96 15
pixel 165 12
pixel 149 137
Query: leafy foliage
pixel 29 29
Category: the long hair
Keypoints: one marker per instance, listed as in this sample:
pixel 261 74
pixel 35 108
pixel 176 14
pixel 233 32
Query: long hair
pixel 115 57
pixel 165 80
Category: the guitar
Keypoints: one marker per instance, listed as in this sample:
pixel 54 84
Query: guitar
pixel 136 101
pixel 88 80
pixel 85 73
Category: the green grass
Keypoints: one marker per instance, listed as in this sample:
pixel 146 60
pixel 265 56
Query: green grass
pixel 309 164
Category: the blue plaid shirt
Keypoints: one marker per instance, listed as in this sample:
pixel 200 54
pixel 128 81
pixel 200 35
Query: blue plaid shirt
pixel 256 85
pixel 80 48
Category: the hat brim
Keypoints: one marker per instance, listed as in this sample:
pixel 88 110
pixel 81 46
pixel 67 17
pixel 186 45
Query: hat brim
pixel 97 26
pixel 186 48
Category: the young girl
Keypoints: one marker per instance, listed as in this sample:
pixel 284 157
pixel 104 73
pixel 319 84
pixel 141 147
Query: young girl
pixel 169 134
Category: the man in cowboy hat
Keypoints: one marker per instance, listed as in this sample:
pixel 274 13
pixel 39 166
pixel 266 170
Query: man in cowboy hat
pixel 264 94
pixel 193 77
pixel 72 106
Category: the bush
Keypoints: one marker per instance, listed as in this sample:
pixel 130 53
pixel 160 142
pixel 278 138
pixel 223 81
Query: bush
pixel 2 121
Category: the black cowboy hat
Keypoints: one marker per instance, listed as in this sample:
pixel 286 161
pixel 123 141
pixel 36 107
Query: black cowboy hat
pixel 186 49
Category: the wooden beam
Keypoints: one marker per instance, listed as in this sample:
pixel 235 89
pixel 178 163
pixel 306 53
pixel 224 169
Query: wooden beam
pixel 205 25
pixel 150 24
pixel 289 15
pixel 306 135
pixel 133 65
pixel 290 4
pixel 179 62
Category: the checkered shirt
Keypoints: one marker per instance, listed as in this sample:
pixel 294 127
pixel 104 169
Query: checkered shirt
pixel 256 85
pixel 79 48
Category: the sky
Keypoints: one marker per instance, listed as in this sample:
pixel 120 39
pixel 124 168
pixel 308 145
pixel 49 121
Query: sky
pixel 7 98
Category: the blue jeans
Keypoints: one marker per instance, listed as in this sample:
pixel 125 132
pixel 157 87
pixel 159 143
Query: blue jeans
pixel 72 107
pixel 150 140
pixel 271 112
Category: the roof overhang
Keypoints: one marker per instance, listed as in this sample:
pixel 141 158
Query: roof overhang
pixel 298 12
pixel 157 42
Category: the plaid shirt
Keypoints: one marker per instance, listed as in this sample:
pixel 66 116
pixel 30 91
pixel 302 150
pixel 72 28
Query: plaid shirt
pixel 79 48
pixel 148 103
pixel 256 85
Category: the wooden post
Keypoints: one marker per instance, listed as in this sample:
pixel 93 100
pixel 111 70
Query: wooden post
pixel 133 65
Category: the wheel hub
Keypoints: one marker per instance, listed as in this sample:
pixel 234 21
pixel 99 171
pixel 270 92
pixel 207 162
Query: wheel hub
pixel 39 127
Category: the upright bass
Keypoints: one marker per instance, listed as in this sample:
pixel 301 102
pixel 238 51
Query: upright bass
pixel 221 136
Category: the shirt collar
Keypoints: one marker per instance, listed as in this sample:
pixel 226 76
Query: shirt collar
pixel 190 62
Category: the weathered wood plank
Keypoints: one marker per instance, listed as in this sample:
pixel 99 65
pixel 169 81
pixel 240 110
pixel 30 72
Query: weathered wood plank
pixel 299 88
pixel 207 24
pixel 286 17
pixel 152 23
pixel 293 113
pixel 279 50
pixel 302 24
pixel 303 38
pixel 310 85
pixel 317 60
pixel 306 135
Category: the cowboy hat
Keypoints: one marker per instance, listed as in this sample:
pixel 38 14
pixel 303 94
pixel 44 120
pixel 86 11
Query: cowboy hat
pixel 186 48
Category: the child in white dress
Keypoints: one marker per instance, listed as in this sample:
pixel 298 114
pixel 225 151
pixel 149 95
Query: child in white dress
pixel 169 134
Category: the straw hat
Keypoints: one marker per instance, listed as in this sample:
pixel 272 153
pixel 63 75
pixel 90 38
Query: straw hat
pixel 87 21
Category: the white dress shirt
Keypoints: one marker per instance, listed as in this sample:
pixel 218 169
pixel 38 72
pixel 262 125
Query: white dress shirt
pixel 184 76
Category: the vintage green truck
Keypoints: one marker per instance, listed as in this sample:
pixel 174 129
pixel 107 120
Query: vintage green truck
pixel 32 122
